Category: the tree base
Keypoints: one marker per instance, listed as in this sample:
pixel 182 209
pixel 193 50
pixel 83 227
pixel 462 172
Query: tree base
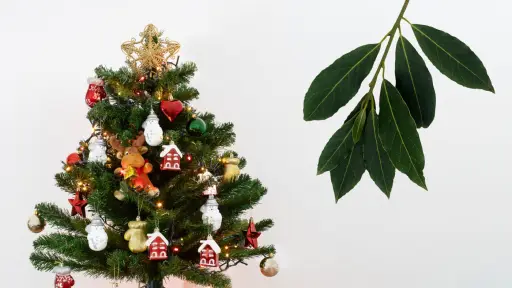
pixel 154 284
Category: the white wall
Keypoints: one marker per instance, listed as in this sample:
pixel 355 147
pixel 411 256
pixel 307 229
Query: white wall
pixel 256 60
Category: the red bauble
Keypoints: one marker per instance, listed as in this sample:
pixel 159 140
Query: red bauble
pixel 95 93
pixel 171 109
pixel 78 205
pixel 251 235
pixel 73 158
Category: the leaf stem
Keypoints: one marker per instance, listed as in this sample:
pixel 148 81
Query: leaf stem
pixel 391 35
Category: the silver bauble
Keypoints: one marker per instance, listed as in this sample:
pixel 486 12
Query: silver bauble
pixel 269 267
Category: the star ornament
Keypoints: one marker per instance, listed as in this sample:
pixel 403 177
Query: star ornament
pixel 251 235
pixel 151 52
pixel 78 205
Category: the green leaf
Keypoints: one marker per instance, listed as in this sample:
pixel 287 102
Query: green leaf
pixel 339 82
pixel 414 82
pixel 336 148
pixel 357 131
pixel 356 110
pixel 452 57
pixel 348 173
pixel 397 131
pixel 376 159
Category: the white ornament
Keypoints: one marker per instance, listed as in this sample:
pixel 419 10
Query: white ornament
pixel 203 177
pixel 98 151
pixel 112 100
pixel 211 190
pixel 152 130
pixel 211 213
pixel 96 235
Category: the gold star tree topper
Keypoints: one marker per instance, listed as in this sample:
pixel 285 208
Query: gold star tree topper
pixel 151 53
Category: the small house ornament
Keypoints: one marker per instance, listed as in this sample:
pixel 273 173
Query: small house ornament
pixel 209 253
pixel 171 157
pixel 157 246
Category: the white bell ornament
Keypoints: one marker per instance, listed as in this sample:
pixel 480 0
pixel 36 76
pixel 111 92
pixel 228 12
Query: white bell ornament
pixel 152 131
pixel 96 235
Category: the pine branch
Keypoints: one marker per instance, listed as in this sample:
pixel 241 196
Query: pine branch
pixel 61 219
pixel 190 272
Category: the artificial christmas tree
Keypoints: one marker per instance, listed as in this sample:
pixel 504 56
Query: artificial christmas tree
pixel 130 193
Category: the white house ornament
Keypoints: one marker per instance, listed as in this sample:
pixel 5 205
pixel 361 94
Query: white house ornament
pixel 98 151
pixel 35 223
pixel 269 266
pixel 157 246
pixel 211 214
pixel 63 278
pixel 152 130
pixel 96 235
pixel 171 157
pixel 209 253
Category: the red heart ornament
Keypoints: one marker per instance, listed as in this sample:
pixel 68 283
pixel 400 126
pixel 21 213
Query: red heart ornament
pixel 171 109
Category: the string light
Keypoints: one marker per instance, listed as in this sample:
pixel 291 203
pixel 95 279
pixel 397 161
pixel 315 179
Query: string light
pixel 175 249
pixel 227 255
pixel 226 247
pixel 68 168
pixel 142 79
pixel 159 204
pixel 188 157
pixel 202 169
pixel 194 115
pixel 189 108
pixel 80 183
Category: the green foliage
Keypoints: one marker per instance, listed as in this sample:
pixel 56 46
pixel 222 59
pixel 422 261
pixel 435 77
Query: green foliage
pixel 338 83
pixel 381 143
pixel 180 193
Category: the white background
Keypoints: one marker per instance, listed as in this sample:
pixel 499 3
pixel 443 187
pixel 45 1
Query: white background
pixel 256 60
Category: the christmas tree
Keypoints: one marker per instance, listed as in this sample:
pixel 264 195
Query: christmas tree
pixel 155 191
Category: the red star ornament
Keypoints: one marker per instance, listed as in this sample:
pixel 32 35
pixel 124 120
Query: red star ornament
pixel 251 235
pixel 78 205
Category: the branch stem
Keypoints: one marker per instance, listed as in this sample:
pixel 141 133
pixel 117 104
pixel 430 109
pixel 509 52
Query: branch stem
pixel 391 35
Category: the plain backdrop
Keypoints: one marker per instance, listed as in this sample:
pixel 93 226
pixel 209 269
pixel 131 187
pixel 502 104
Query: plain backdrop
pixel 256 60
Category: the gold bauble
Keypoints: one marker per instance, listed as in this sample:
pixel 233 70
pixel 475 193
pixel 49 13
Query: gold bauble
pixel 36 223
pixel 269 267
pixel 136 236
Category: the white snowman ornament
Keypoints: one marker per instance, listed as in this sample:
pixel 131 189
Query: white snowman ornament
pixel 152 131
pixel 211 213
pixel 98 151
pixel 96 235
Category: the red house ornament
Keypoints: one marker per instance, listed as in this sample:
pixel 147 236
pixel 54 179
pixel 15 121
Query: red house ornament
pixel 172 157
pixel 157 246
pixel 209 253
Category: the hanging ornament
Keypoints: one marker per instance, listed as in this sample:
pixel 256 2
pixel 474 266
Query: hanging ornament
pixel 231 169
pixel 136 235
pixel 171 157
pixel 209 253
pixel 211 190
pixel 78 205
pixel 119 195
pixel 269 266
pixel 211 213
pixel 196 127
pixel 171 108
pixel 73 159
pixel 204 176
pixel 95 93
pixel 152 130
pixel 251 235
pixel 96 235
pixel 98 151
pixel 63 278
pixel 36 223
pixel 157 245
pixel 112 100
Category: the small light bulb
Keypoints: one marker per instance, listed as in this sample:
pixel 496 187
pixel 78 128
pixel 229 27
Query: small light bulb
pixel 68 168
pixel 236 246
pixel 84 188
pixel 189 108
pixel 142 79
pixel 194 115
pixel 226 247
pixel 159 204
pixel 80 183
pixel 175 249
pixel 227 255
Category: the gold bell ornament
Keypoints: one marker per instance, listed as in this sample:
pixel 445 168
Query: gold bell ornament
pixel 231 169
pixel 136 235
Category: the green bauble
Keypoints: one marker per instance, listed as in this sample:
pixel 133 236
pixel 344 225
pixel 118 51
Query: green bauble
pixel 196 127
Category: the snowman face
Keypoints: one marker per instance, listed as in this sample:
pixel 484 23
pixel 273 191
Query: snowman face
pixel 97 238
pixel 153 132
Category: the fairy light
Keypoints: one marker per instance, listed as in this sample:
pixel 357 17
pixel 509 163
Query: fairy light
pixel 227 255
pixel 188 157
pixel 80 183
pixel 159 204
pixel 194 115
pixel 175 249
pixel 68 168
pixel 189 108
pixel 142 79
pixel 226 247
pixel 202 169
